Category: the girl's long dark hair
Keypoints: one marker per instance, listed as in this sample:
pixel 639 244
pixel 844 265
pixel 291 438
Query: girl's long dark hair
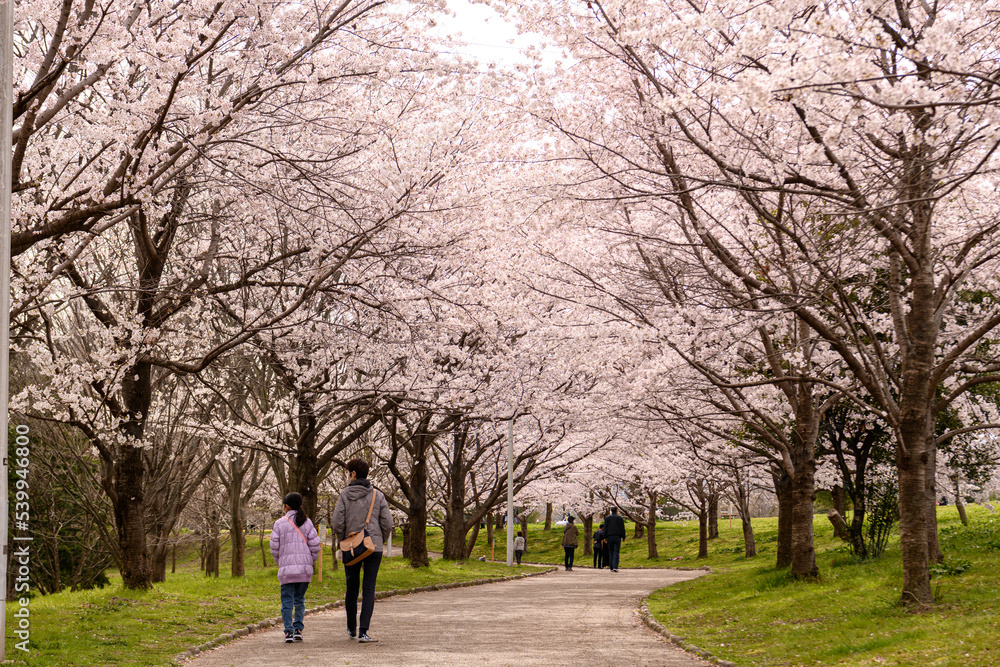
pixel 294 501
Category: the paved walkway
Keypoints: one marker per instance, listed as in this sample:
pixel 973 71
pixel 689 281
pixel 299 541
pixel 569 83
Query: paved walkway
pixel 563 618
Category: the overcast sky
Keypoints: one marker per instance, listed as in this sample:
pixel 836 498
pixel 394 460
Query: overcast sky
pixel 490 37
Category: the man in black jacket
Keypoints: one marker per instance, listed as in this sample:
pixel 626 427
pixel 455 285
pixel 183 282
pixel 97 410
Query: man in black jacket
pixel 614 533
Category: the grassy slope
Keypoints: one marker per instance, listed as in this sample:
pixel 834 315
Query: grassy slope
pixel 114 627
pixel 752 614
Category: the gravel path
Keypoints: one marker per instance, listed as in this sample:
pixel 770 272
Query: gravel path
pixel 563 618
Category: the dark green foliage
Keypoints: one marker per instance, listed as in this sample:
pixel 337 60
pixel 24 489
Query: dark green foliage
pixel 882 492
pixel 68 526
pixel 951 567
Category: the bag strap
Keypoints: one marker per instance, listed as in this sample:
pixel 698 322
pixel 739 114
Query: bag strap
pixel 369 517
pixel 297 530
pixel 370 508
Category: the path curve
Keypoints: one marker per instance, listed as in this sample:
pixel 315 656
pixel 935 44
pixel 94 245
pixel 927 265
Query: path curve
pixel 564 618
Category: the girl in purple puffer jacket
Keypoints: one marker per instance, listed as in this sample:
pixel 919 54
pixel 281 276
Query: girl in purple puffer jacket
pixel 295 547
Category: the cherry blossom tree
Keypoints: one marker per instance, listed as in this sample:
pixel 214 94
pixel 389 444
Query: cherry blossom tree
pixel 857 142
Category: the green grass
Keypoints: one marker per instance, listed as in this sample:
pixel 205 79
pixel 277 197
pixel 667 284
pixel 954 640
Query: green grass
pixel 749 613
pixel 117 628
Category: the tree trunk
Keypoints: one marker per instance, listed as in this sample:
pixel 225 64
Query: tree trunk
pixel 490 521
pixel 213 547
pixel 303 474
pixel 129 522
pixel 783 490
pixel 548 516
pixel 930 504
pixel 839 500
pixel 471 544
pixel 703 532
pixel 749 542
pixel 416 539
pixel 959 502
pixel 911 458
pixel 263 552
pixel 454 518
pixel 713 515
pixel 158 560
pixel 588 534
pixel 236 533
pixel 803 549
pixel 651 527
pixel 523 520
pixel 840 527
pixel 639 530
pixel 454 539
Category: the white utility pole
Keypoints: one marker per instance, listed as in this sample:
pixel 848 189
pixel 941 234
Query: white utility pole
pixel 510 494
pixel 6 178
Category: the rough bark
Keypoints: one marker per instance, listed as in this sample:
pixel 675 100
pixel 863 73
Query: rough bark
pixel 749 542
pixel 703 533
pixel 840 527
pixel 713 516
pixel 959 502
pixel 588 534
pixel 839 500
pixel 930 504
pixel 471 542
pixel 783 491
pixel 651 527
pixel 913 450
pixel 548 517
pixel 455 527
pixel 803 550
pixel 416 542
pixel 131 527
pixel 237 534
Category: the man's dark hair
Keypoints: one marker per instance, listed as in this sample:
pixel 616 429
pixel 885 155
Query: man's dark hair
pixel 359 467
pixel 614 510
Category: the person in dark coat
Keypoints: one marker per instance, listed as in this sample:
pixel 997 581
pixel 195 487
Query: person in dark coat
pixel 614 533
pixel 599 548
pixel 570 541
pixel 349 517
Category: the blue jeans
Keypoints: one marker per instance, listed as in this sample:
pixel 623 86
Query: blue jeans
pixel 353 573
pixel 293 599
pixel 614 550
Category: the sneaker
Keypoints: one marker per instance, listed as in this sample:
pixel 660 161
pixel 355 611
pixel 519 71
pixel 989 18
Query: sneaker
pixel 288 637
pixel 351 634
pixel 363 638
pixel 297 635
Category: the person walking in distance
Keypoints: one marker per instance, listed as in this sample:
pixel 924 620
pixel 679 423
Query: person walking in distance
pixel 570 541
pixel 519 546
pixel 599 548
pixel 295 547
pixel 614 533
pixel 358 501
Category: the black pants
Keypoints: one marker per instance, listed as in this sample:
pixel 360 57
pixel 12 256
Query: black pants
pixel 614 551
pixel 569 556
pixel 517 554
pixel 599 557
pixel 353 573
